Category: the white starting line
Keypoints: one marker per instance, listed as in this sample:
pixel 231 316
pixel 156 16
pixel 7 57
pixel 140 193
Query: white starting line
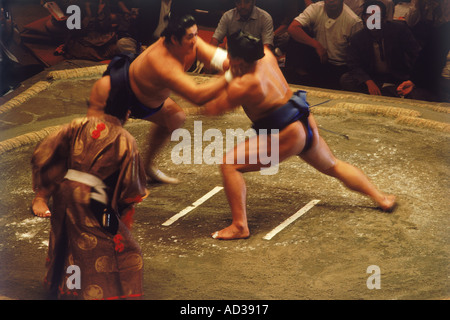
pixel 268 236
pixel 291 219
pixel 188 209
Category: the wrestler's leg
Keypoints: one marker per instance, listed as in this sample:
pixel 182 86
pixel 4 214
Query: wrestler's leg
pixel 291 142
pixel 165 121
pixel 321 158
pixel 236 193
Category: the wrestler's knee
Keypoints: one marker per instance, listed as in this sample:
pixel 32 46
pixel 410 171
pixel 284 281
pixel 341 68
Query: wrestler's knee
pixel 331 169
pixel 176 120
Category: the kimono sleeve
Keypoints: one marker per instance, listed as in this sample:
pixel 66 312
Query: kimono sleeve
pixel 131 184
pixel 49 161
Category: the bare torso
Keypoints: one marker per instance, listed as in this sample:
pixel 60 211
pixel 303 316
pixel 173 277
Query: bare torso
pixel 161 70
pixel 269 89
pixel 150 73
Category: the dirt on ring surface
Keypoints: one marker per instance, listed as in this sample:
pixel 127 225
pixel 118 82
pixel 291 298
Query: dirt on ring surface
pixel 325 254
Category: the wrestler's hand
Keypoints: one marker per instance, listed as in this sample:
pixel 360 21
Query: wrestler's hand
pixel 226 65
pixel 405 88
pixel 373 88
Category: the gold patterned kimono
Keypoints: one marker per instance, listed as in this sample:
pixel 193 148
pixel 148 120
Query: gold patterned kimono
pixel 110 265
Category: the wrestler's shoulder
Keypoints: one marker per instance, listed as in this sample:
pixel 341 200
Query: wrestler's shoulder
pixel 249 81
pixel 245 87
pixel 157 56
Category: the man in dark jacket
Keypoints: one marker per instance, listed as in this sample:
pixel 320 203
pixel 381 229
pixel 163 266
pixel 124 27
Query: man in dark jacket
pixel 154 14
pixel 381 61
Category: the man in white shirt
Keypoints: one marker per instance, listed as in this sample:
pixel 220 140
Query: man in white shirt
pixel 357 7
pixel 322 50
pixel 247 18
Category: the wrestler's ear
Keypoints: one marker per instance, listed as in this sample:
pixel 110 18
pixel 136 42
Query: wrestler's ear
pixel 174 40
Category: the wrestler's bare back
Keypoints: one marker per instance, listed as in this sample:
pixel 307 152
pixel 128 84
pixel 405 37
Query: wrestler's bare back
pixel 262 90
pixel 149 82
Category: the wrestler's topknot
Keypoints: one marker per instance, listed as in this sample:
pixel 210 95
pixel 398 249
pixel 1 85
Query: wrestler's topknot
pixel 245 46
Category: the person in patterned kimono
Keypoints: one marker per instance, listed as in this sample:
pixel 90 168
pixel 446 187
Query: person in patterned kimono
pixel 92 169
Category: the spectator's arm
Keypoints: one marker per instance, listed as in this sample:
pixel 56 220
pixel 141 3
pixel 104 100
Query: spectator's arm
pixel 297 33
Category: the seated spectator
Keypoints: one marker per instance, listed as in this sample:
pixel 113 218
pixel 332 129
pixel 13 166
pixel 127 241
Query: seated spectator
pixel 320 34
pixel 357 7
pixel 432 31
pixel 124 17
pixel 382 61
pixel 154 15
pixel 292 8
pixel 248 18
pixel 152 19
pixel 96 40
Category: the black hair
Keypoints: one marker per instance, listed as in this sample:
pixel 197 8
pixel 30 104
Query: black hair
pixel 177 27
pixel 380 4
pixel 245 46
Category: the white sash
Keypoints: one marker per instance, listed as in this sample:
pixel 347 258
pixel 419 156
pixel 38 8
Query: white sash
pixel 89 180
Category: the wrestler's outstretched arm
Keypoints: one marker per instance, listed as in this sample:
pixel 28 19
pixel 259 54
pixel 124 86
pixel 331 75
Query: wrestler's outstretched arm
pixel 211 56
pixel 199 94
pixel 239 92
pixel 220 105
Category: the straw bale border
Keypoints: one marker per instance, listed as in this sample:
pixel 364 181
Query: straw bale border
pixel 393 112
pixel 424 123
pixel 24 96
pixel 26 139
pixel 402 115
pixel 85 72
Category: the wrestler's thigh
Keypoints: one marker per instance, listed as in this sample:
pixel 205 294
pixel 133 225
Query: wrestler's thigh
pixel 171 115
pixel 263 151
pixel 243 157
pixel 319 156
pixel 292 140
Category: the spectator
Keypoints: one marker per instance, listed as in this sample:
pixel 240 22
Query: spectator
pixel 246 17
pixel 381 61
pixel 153 18
pixel 320 37
pixel 357 7
pixel 292 8
pixel 96 40
pixel 12 72
pixel 124 17
pixel 163 18
pixel 432 32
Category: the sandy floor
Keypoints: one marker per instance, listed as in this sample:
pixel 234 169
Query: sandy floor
pixel 324 254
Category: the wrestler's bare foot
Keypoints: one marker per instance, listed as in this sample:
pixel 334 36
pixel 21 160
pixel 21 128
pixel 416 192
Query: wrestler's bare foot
pixel 388 203
pixel 40 208
pixel 159 176
pixel 232 232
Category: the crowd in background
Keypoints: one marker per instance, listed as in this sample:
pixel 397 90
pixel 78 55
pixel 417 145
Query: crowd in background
pixel 319 43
